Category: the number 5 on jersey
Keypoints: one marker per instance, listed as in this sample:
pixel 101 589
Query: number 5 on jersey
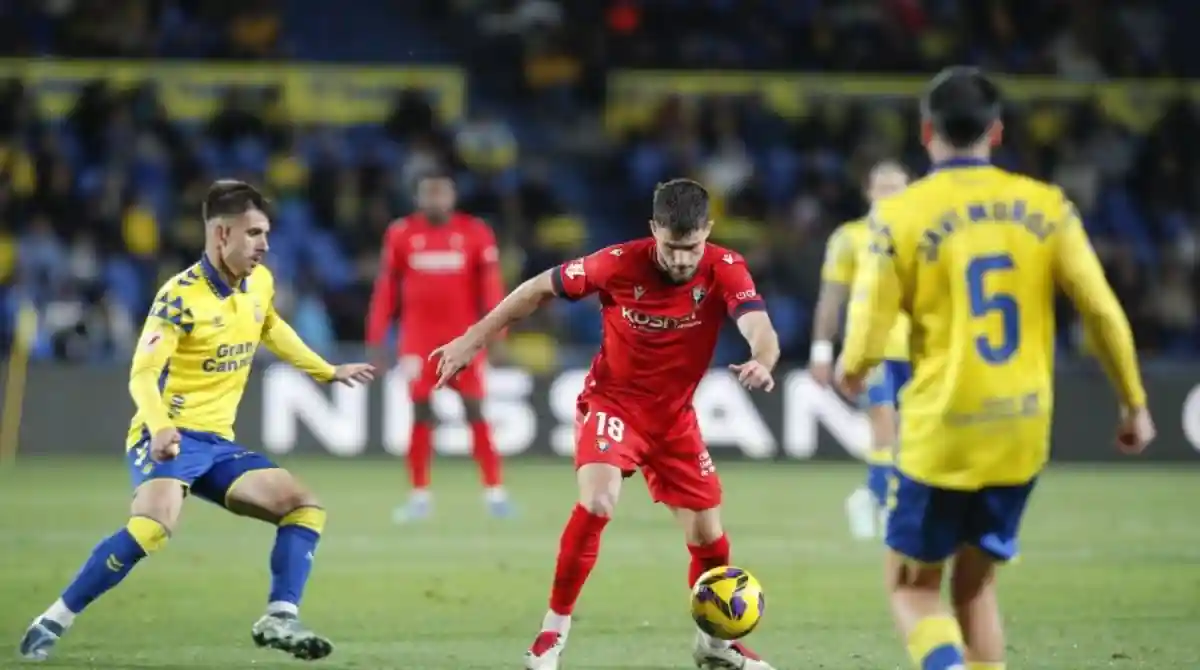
pixel 984 304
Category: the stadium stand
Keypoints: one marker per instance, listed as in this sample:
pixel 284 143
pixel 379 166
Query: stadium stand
pixel 101 165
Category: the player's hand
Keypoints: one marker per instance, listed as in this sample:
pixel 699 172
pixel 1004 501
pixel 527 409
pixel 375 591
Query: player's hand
pixel 822 373
pixel 454 356
pixel 1136 430
pixel 164 445
pixel 353 374
pixel 850 386
pixel 754 375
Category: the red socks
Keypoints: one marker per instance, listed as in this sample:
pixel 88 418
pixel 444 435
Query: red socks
pixel 577 552
pixel 579 548
pixel 420 455
pixel 485 454
pixel 706 557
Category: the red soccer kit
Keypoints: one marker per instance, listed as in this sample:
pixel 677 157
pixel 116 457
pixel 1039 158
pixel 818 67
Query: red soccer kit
pixel 442 278
pixel 658 342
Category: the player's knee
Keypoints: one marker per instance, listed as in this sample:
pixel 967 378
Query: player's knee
pixel 292 503
pixel 972 576
pixel 158 499
pixel 599 503
pixel 150 535
pixel 423 411
pixel 305 516
pixel 473 410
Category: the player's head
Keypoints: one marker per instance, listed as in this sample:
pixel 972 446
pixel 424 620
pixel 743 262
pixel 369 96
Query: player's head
pixel 236 225
pixel 886 178
pixel 960 114
pixel 436 195
pixel 680 226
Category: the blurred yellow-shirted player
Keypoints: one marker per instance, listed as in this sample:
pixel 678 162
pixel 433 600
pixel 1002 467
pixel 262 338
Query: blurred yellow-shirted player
pixel 974 255
pixel 865 508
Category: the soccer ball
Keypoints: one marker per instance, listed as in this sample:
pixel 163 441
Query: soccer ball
pixel 727 602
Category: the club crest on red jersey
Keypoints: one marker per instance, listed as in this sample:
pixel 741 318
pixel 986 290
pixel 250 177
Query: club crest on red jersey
pixel 698 294
pixel 602 445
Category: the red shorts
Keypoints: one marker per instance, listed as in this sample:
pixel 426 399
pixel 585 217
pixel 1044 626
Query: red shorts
pixel 423 379
pixel 675 461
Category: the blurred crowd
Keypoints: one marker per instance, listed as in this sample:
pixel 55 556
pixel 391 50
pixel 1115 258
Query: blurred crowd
pixel 242 29
pixel 100 205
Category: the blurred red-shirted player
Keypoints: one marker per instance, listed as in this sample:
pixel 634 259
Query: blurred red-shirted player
pixel 440 270
pixel 663 301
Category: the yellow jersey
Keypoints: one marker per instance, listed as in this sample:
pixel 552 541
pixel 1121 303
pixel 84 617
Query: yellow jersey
pixel 197 348
pixel 843 252
pixel 974 254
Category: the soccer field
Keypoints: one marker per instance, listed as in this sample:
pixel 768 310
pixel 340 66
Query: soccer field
pixel 1110 576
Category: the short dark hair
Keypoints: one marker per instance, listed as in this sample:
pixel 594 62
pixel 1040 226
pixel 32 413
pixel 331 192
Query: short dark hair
pixel 681 206
pixel 961 103
pixel 230 197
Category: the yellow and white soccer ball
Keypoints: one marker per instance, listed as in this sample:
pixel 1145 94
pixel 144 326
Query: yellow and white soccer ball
pixel 727 602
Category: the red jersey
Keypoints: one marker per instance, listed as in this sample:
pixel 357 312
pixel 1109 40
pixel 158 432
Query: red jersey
pixel 440 277
pixel 659 336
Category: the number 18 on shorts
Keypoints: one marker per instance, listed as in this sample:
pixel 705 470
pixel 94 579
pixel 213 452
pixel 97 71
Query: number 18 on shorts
pixel 672 456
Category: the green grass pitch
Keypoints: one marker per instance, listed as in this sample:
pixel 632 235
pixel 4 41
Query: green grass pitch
pixel 1110 576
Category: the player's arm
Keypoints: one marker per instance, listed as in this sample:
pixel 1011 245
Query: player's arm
pixel 386 292
pixel 488 279
pixel 160 338
pixel 874 303
pixel 521 303
pixel 283 341
pixel 487 267
pixel 747 308
pixel 572 280
pixel 837 273
pixel 1079 273
pixel 760 334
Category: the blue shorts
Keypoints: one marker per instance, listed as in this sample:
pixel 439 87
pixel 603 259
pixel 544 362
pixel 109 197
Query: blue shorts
pixel 929 524
pixel 207 464
pixel 885 381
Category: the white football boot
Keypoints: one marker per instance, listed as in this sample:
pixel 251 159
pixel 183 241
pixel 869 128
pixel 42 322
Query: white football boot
pixel 283 631
pixel 545 651
pixel 862 513
pixel 710 654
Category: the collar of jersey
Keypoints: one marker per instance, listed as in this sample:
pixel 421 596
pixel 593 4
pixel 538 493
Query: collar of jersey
pixel 217 284
pixel 961 162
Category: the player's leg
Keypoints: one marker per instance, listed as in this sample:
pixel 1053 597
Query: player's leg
pixel 924 529
pixel 606 449
pixel 864 505
pixel 993 523
pixel 470 387
pixel 682 476
pixel 249 484
pixel 157 503
pixel 973 596
pixel 422 376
